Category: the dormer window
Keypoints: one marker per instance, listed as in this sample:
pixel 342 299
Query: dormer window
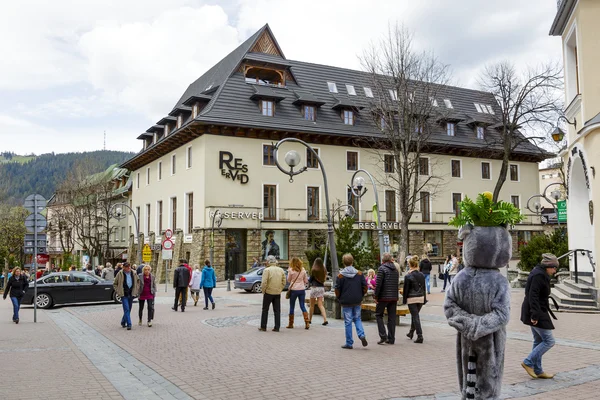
pixel 348 117
pixel 309 113
pixel 179 121
pixel 368 91
pixel 480 131
pixel 448 103
pixel 351 90
pixel 450 128
pixel 167 129
pixel 393 95
pixel 264 76
pixel 267 108
pixel 434 102
pixel 332 87
pixel 195 110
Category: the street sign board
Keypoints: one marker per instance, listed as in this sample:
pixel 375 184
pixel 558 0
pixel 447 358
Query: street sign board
pixel 43 258
pixel 147 253
pixel 35 221
pixel 167 254
pixel 167 245
pixel 30 203
pixel 561 206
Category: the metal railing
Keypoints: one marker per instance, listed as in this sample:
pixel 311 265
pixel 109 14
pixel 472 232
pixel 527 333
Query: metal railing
pixel 583 252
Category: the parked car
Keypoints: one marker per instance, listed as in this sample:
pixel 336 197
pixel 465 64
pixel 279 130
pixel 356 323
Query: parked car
pixel 251 280
pixel 70 288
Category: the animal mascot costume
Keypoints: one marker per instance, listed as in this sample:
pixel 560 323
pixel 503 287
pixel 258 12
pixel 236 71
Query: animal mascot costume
pixel 478 302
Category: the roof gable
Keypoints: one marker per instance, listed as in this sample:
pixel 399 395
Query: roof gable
pixel 267 43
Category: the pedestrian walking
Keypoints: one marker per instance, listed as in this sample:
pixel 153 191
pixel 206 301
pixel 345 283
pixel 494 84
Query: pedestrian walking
pixel 140 269
pixel 181 281
pixel 98 271
pixel 386 297
pixel 425 268
pixel 447 268
pixel 108 273
pixel 127 286
pixel 208 281
pixel 118 268
pixel 147 293
pixel 273 282
pixel 16 286
pixel 350 288
pixel 536 313
pixel 318 276
pixel 195 284
pixel 414 295
pixel 298 278
pixel 371 279
pixel 186 265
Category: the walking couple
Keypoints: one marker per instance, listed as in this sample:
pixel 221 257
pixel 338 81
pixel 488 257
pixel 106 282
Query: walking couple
pixel 184 278
pixel 127 285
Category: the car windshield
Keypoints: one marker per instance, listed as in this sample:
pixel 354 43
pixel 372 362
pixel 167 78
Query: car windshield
pixel 252 270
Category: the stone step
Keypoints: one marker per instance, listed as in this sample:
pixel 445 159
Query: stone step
pixel 563 299
pixel 588 280
pixel 572 292
pixel 582 287
pixel 577 309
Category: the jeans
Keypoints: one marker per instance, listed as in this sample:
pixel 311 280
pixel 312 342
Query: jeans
pixel 180 291
pixel 415 319
pixel 207 296
pixel 150 309
pixel 391 322
pixel 126 302
pixel 352 314
pixel 16 302
pixel 269 299
pixel 427 285
pixel 447 279
pixel 301 296
pixel 542 342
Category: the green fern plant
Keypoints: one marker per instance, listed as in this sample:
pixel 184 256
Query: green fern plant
pixel 484 212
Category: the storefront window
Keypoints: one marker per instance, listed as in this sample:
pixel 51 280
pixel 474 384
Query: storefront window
pixel 274 243
pixel 433 243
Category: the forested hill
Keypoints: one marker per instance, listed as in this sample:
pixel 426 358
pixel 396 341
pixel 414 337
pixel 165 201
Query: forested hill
pixel 43 173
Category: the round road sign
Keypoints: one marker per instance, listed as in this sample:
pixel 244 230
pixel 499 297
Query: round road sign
pixel 167 245
pixel 168 234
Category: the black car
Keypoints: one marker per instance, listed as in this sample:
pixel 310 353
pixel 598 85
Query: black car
pixel 69 288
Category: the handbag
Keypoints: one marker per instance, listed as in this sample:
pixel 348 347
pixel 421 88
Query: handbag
pixel 288 294
pixel 441 276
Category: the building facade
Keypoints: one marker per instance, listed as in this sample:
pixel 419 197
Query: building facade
pixel 214 152
pixel 576 24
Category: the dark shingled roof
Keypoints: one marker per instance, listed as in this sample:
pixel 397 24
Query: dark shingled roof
pixel 233 102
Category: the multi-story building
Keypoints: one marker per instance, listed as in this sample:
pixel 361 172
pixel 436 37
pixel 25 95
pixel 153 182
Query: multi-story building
pixel 214 151
pixel 576 24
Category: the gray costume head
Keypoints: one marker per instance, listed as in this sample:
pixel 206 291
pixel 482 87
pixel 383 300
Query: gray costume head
pixel 485 247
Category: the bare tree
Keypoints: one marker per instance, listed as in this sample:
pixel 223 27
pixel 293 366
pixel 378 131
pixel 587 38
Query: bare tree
pixel 406 85
pixel 529 102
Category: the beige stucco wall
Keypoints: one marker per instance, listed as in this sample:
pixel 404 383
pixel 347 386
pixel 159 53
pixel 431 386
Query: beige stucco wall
pixel 211 189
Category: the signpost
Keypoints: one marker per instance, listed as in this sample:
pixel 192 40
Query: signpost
pixel 167 254
pixel 561 207
pixel 147 253
pixel 35 223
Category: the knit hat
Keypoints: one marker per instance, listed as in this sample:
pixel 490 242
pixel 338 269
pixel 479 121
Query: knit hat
pixel 549 260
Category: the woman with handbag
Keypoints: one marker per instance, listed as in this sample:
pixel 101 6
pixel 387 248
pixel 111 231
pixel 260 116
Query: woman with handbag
pixel 318 275
pixel 298 279
pixel 414 295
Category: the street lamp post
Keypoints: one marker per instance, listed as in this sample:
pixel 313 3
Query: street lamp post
pixel 359 184
pixel 116 211
pixel 350 212
pixel 555 194
pixel 218 218
pixel 292 159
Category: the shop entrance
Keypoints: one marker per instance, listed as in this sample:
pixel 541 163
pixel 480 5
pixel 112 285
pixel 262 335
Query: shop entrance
pixel 235 252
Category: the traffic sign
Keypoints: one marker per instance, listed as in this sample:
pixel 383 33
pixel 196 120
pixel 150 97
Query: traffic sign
pixel 34 203
pixel 167 245
pixel 167 254
pixel 35 222
pixel 168 234
pixel 561 206
pixel 147 253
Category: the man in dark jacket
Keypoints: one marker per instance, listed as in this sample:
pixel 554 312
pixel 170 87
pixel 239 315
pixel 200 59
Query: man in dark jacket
pixel 536 312
pixel 425 269
pixel 350 288
pixel 181 281
pixel 386 297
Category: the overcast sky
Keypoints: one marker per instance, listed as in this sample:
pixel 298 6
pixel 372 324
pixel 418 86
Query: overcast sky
pixel 74 69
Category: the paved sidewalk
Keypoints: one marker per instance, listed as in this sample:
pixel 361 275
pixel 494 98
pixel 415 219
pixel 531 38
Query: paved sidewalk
pixel 220 354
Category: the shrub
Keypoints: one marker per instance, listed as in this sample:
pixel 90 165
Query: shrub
pixel 556 243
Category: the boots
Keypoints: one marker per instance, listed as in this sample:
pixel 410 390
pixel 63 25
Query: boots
pixel 419 339
pixel 306 321
pixel 410 334
pixel 291 321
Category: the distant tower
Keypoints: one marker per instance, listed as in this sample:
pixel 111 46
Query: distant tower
pixel 104 141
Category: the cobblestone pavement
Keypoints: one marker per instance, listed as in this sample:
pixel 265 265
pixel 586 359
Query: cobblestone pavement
pixel 219 354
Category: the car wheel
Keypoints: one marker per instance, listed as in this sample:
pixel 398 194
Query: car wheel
pixel 116 298
pixel 43 300
pixel 257 287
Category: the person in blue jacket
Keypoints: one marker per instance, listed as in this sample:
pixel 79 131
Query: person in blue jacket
pixel 208 281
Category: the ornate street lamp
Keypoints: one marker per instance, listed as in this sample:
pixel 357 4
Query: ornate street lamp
pixel 554 195
pixel 358 183
pixel 217 218
pixel 292 159
pixel 116 212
